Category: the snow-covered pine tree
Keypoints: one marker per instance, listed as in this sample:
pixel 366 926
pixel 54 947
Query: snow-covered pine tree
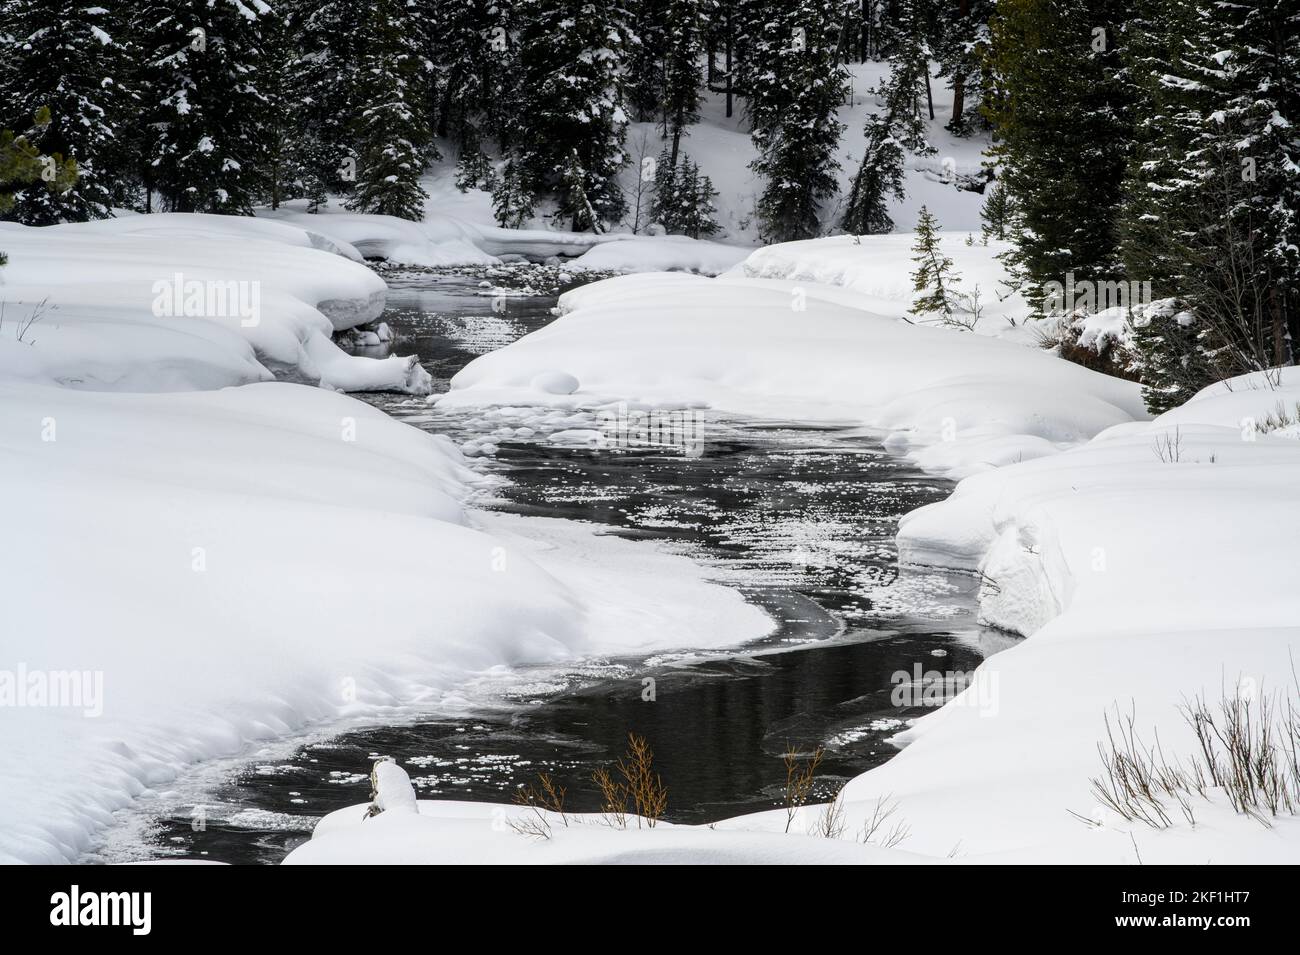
pixel 879 178
pixel 960 51
pixel 696 208
pixel 907 90
pixel 794 80
pixel 996 212
pixel 683 198
pixel 648 32
pixel 291 152
pixel 512 196
pixel 1063 124
pixel 569 121
pixel 472 49
pixel 933 279
pixel 1164 120
pixel 1212 212
pixel 71 59
pixel 392 136
pixel 331 37
pixel 683 52
pixel 897 128
pixel 666 201
pixel 202 106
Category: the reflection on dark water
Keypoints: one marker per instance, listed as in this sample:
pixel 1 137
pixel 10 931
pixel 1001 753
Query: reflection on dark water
pixel 800 519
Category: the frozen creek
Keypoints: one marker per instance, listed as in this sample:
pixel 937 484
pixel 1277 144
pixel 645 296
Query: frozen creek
pixel 800 519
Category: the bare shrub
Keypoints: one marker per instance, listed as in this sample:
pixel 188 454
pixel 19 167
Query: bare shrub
pixel 1249 747
pixel 799 777
pixel 613 798
pixel 1169 448
pixel 832 822
pixel 881 829
pixel 638 784
pixel 545 797
pixel 1280 417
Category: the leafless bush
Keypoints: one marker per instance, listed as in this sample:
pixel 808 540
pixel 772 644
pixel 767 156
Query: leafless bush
pixel 613 798
pixel 799 778
pixel 1280 417
pixel 638 785
pixel 1130 780
pixel 648 792
pixel 878 830
pixel 1249 747
pixel 545 797
pixel 1249 750
pixel 532 825
pixel 25 323
pixel 1169 448
pixel 832 821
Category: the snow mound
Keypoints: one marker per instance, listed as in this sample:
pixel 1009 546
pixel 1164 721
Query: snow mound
pixel 957 403
pixel 212 569
pixel 1125 561
pixel 877 269
pixel 183 302
pixel 555 383
pixel 668 253
pixel 451 832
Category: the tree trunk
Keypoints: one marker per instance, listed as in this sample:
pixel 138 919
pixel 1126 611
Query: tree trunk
pixel 958 79
pixel 728 56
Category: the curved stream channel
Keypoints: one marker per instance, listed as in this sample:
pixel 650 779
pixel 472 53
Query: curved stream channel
pixel 800 519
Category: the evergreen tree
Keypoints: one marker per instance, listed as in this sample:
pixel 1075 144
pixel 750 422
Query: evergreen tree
pixel 909 98
pixel 933 279
pixel 22 164
pixel 684 46
pixel 331 36
pixel 512 196
pixel 892 132
pixel 794 81
pixel 1176 355
pixel 666 201
pixel 696 208
pixel 961 52
pixel 649 26
pixel 1062 118
pixel 291 154
pixel 471 47
pixel 570 122
pixel 203 109
pixel 70 59
pixel 1213 193
pixel 683 198
pixel 996 212
pixel 879 178
pixel 391 133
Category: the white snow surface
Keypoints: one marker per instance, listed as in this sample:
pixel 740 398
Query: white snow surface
pixel 956 402
pixel 239 565
pixel 270 296
pixel 443 239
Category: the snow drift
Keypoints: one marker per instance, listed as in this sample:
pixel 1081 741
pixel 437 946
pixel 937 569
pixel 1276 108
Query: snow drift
pixel 955 401
pixel 237 565
pixel 182 302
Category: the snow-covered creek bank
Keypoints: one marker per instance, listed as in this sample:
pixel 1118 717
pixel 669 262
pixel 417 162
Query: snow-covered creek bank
pixel 800 519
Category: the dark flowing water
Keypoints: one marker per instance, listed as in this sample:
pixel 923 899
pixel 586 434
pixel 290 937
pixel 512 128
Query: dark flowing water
pixel 800 519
